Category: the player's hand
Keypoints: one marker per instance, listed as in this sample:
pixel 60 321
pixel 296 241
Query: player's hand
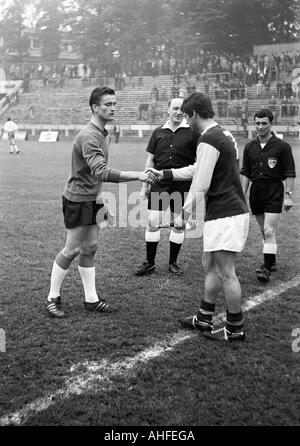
pixel 157 173
pixel 147 177
pixel 287 204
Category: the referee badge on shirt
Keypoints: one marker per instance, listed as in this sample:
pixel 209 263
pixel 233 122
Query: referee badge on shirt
pixel 272 162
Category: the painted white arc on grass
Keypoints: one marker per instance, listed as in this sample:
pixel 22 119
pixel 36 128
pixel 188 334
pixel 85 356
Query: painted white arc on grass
pixel 97 375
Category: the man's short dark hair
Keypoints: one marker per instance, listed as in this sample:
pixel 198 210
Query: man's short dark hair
pixel 97 94
pixel 264 113
pixel 200 104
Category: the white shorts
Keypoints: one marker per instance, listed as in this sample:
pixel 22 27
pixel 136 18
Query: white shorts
pixel 226 234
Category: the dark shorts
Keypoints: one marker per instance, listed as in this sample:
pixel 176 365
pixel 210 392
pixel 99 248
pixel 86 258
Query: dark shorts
pixel 266 197
pixel 172 194
pixel 79 213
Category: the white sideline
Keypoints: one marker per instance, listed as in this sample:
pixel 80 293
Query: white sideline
pixel 96 376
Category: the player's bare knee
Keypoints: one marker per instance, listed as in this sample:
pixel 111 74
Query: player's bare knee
pixel 269 232
pixel 89 249
pixel 71 252
pixel 206 261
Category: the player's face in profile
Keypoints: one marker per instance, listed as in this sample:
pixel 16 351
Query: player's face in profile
pixel 263 126
pixel 106 109
pixel 175 112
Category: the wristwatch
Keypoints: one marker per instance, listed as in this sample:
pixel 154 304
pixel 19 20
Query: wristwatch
pixel 289 193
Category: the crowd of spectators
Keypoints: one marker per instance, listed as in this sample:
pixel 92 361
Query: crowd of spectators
pixel 226 78
pixel 250 68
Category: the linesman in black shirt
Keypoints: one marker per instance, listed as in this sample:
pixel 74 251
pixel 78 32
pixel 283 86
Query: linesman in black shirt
pixel 269 164
pixel 171 145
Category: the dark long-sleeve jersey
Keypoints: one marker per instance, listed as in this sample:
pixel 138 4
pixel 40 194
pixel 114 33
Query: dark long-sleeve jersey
pixel 275 162
pixel 89 165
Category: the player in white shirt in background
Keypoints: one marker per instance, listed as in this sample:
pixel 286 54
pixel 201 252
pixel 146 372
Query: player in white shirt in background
pixel 10 128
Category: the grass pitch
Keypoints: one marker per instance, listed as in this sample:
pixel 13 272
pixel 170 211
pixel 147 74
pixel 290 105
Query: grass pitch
pixel 195 383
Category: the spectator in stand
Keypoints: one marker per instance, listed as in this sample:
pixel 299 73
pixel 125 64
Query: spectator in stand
pixel 45 79
pixel 26 81
pixel 40 71
pixel 116 132
pixel 273 109
pixel 123 77
pixel 152 111
pixel 292 106
pixel 206 85
pixel 280 89
pixel 143 108
pixel 259 88
pixel 219 107
pixel 245 106
pixel 272 103
pixel 163 92
pixel 175 91
pixel 140 79
pixel 236 109
pixel 182 91
pixel 284 107
pixel 244 123
pixel 154 93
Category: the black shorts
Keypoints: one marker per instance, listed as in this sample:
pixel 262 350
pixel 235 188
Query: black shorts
pixel 79 213
pixel 266 197
pixel 171 194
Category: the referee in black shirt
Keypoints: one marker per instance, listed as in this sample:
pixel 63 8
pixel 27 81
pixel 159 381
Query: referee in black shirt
pixel 171 145
pixel 269 164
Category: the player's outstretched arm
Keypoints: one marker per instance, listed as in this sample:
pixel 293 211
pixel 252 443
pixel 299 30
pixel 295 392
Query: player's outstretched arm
pixel 145 177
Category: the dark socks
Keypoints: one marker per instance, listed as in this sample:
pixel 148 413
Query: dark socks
pixel 269 260
pixel 206 311
pixel 234 322
pixel 174 251
pixel 151 248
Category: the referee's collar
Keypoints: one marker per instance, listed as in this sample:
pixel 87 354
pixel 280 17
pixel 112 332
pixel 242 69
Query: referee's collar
pixel 183 124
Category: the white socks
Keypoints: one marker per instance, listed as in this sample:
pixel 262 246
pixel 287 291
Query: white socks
pixel 176 237
pixel 57 276
pixel 152 236
pixel 270 248
pixel 87 277
pixel 89 284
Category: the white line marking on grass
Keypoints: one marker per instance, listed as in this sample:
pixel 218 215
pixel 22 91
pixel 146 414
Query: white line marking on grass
pixel 97 375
